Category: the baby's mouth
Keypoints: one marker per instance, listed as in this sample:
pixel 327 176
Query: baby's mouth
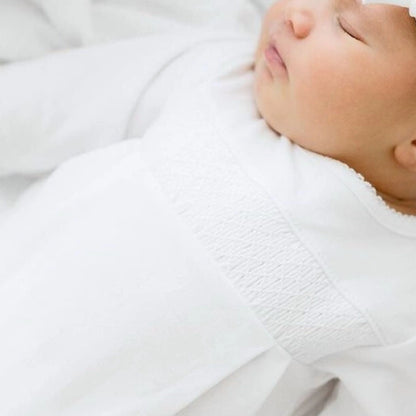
pixel 274 60
pixel 274 55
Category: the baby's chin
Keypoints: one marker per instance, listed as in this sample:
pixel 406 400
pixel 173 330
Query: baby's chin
pixel 282 126
pixel 265 108
pixel 263 114
pixel 271 123
pixel 275 130
pixel 302 141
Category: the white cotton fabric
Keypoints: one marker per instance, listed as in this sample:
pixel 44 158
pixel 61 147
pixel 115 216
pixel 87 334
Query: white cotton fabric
pixel 51 105
pixel 197 263
pixel 32 28
pixel 254 243
pixel 410 4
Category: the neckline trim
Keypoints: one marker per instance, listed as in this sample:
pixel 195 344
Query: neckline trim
pixel 387 216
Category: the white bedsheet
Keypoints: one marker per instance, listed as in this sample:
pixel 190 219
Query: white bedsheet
pixel 31 28
pixel 30 111
pixel 71 102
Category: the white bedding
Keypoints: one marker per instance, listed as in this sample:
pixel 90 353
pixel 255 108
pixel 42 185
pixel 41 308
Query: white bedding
pixel 32 117
pixel 31 28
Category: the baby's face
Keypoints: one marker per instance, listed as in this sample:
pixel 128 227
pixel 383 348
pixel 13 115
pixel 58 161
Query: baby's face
pixel 346 81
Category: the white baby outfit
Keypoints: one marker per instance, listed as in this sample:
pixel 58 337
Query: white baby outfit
pixel 326 269
pixel 316 253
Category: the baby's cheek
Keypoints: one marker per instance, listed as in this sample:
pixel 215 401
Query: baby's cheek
pixel 320 114
pixel 328 97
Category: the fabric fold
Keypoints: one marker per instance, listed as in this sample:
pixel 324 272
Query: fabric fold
pixel 117 305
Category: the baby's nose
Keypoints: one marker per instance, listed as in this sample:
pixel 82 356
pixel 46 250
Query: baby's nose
pixel 299 19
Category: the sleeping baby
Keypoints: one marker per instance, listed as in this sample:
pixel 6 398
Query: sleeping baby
pixel 350 67
pixel 212 234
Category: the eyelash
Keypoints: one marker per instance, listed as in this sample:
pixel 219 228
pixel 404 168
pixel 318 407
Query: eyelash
pixel 346 31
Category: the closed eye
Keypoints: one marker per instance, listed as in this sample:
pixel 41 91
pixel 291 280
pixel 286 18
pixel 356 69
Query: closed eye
pixel 348 30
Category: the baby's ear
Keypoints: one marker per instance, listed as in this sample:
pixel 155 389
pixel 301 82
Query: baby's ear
pixel 405 154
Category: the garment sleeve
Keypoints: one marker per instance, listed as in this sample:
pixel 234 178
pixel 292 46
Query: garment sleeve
pixel 71 102
pixel 373 381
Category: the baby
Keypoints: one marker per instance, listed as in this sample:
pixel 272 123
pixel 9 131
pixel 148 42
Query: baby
pixel 338 78
pixel 240 254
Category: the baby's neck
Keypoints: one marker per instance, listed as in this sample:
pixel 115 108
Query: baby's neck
pixel 394 184
pixel 404 206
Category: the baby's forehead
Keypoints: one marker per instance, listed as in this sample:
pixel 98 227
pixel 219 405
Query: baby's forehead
pixel 392 20
pixel 383 14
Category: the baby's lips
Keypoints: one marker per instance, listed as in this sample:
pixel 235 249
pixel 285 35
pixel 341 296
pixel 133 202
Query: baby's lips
pixel 274 54
pixel 274 61
pixel 276 45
